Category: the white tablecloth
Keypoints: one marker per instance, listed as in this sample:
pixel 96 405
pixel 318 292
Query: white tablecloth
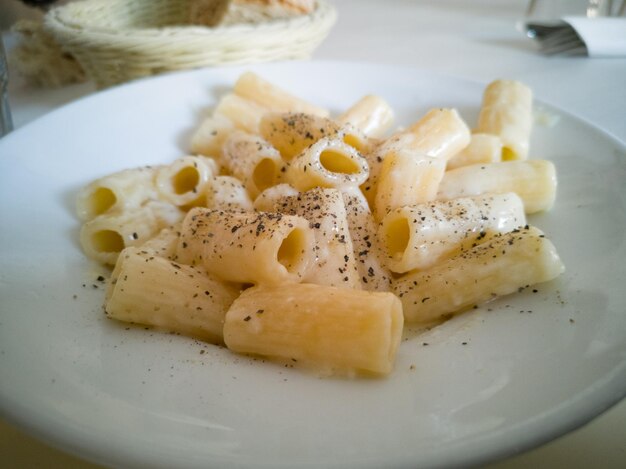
pixel 477 39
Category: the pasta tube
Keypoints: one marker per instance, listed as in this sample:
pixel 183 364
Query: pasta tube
pixel 164 244
pixel 407 178
pixel 441 133
pixel 501 266
pixel 210 136
pixel 267 200
pixel 419 236
pixel 366 247
pixel 327 163
pixel 252 87
pixel 291 133
pixel 507 112
pixel 104 237
pixel 334 264
pixel 251 160
pixel 248 247
pixel 483 148
pixel 124 190
pixel 533 180
pixel 243 113
pixel 371 114
pixel 228 193
pixel 154 291
pixel 356 139
pixel 332 329
pixel 375 158
pixel 186 181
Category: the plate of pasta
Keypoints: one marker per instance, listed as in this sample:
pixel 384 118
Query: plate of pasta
pixel 283 265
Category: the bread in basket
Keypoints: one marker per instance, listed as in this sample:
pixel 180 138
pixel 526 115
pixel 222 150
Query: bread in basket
pixel 119 40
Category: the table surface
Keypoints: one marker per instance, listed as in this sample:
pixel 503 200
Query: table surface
pixel 479 40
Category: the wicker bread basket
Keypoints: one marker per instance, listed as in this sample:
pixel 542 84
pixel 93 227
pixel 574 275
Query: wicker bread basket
pixel 119 40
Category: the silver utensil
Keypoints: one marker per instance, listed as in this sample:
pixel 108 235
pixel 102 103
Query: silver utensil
pixel 556 38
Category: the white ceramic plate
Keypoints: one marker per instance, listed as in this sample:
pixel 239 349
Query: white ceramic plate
pixel 498 380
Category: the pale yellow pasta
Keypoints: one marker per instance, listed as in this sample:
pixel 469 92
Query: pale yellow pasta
pixel 243 113
pixel 371 114
pixel 291 133
pixel 252 160
pixel 507 111
pixel 482 148
pixel 375 157
pixel 311 240
pixel 327 163
pixel 127 189
pixel 441 133
pixel 365 244
pixel 248 247
pixel 164 243
pixel 335 264
pixel 266 201
pixel 104 237
pixel 407 178
pixel 356 139
pixel 501 266
pixel 533 180
pixel 209 137
pixel 228 192
pixel 419 236
pixel 155 291
pixel 335 330
pixel 186 181
pixel 254 88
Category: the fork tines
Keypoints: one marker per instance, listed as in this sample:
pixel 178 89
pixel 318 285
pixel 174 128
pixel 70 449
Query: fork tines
pixel 556 38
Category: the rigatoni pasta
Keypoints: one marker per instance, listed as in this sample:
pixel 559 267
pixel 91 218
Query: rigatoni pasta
pixel 533 180
pixel 500 266
pixel 371 114
pixel 186 181
pixel 333 329
pixel 313 238
pixel 209 137
pixel 252 160
pixel 324 209
pixel 247 247
pixel 507 112
pixel 124 190
pixel 482 148
pixel 267 200
pixel 155 291
pixel 228 192
pixel 292 132
pixel 407 178
pixel 367 250
pixel 418 236
pixel 243 113
pixel 441 133
pixel 105 236
pixel 251 86
pixel 164 244
pixel 328 162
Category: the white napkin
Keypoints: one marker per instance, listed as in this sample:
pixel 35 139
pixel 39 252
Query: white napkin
pixel 603 37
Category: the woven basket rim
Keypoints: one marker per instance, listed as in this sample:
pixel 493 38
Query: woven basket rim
pixel 57 20
pixel 113 55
